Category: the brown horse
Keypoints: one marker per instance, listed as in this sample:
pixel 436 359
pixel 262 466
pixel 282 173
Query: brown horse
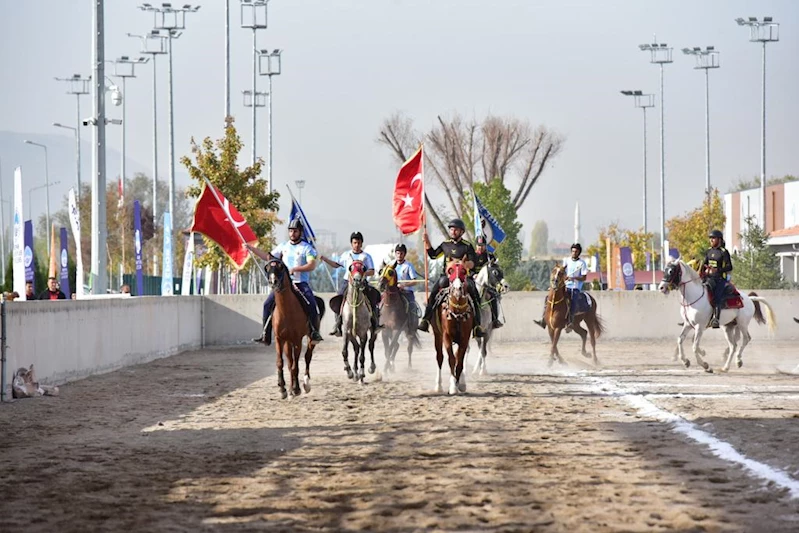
pixel 398 316
pixel 290 325
pixel 556 317
pixel 453 324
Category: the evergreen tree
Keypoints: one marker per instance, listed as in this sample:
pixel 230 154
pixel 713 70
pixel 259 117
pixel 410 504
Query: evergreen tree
pixel 757 267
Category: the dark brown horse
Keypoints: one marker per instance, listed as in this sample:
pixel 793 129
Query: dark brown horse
pixel 556 317
pixel 398 316
pixel 290 325
pixel 453 324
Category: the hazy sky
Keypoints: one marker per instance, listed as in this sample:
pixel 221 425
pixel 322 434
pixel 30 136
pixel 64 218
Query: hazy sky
pixel 348 64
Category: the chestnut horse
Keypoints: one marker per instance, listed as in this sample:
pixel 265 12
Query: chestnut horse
pixel 397 315
pixel 453 324
pixel 556 317
pixel 290 325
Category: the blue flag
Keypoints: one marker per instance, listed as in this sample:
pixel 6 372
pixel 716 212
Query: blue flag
pixel 297 212
pixel 63 259
pixel 485 224
pixel 30 259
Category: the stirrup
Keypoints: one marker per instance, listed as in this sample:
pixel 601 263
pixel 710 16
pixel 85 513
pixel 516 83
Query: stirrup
pixel 540 323
pixel 424 325
pixel 496 324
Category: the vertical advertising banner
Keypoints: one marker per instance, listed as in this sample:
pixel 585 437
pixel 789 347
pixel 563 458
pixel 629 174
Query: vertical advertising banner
pixel 18 265
pixel 29 263
pixel 63 258
pixel 137 248
pixel 74 222
pixel 627 268
pixel 166 279
pixel 188 264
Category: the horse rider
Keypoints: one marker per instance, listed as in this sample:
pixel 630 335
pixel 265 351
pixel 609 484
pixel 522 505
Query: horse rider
pixel 405 273
pixel 453 248
pixel 576 272
pixel 300 258
pixel 356 254
pixel 484 257
pixel 715 268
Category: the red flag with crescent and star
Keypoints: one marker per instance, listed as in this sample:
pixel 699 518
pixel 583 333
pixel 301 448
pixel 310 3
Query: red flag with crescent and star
pixel 409 195
pixel 219 220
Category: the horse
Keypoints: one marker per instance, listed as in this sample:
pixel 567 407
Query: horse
pixel 556 317
pixel 397 316
pixel 290 326
pixel 489 276
pixel 697 311
pixel 356 315
pixel 453 324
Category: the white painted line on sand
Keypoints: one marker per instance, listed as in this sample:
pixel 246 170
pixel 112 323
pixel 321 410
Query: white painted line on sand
pixel 721 449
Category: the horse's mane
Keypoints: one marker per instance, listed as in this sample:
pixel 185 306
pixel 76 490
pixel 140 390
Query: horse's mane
pixel 693 274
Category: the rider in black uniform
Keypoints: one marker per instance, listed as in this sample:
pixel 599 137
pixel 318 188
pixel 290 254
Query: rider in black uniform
pixel 715 268
pixel 453 248
pixel 484 257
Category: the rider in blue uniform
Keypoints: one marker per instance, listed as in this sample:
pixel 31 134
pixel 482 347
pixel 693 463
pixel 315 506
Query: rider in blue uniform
pixel 405 273
pixel 715 268
pixel 300 258
pixel 576 272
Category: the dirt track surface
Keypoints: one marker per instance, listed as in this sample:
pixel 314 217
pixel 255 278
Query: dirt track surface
pixel 202 442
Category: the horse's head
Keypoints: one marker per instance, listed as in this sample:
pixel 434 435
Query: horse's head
pixel 672 276
pixel 557 278
pixel 388 277
pixel 456 271
pixel 276 273
pixel 357 272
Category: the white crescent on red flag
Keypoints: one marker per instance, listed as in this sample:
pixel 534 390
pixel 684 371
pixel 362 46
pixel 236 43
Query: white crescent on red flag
pixel 409 195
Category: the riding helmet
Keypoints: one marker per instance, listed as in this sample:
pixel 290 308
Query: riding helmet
pixel 356 235
pixel 578 246
pixel 457 223
pixel 716 233
pixel 481 239
pixel 296 224
pixel 401 248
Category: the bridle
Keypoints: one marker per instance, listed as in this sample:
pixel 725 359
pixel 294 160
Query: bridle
pixel 276 274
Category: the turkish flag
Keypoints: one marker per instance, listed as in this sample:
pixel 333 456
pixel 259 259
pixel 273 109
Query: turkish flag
pixel 219 220
pixel 409 195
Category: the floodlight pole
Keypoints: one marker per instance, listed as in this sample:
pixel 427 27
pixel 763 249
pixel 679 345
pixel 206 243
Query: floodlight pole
pixel 273 68
pixel 643 101
pixel 79 86
pixel 254 17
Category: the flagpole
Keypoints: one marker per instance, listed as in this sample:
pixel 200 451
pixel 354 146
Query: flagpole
pixel 424 226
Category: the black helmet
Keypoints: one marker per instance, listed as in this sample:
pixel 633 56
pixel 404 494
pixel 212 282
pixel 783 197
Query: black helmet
pixel 457 223
pixel 717 234
pixel 296 224
pixel 481 239
pixel 401 248
pixel 578 246
pixel 356 235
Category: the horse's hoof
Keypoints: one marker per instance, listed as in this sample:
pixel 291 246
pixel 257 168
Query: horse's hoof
pixel 550 363
pixel 739 363
pixel 350 375
pixel 372 368
pixel 462 386
pixel 708 370
pixel 306 384
pixel 725 369
pixel 687 363
pixel 284 394
pixel 586 354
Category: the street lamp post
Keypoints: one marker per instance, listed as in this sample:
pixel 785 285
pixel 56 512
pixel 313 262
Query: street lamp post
pixel 78 85
pixel 643 101
pixel 763 32
pixel 46 184
pixel 254 17
pixel 30 203
pixel 300 186
pixel 660 54
pixel 154 44
pixel 259 100
pixel 705 59
pixel 272 68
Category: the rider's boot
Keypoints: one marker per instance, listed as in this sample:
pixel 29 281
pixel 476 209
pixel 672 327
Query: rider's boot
pixel 376 320
pixel 424 324
pixel 314 332
pixel 479 332
pixel 714 323
pixel 495 322
pixel 337 328
pixel 265 337
pixel 542 322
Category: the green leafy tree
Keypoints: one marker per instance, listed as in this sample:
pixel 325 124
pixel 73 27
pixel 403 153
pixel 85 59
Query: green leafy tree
pixel 639 242
pixel 539 239
pixel 497 199
pixel 246 189
pixel 689 233
pixel 756 267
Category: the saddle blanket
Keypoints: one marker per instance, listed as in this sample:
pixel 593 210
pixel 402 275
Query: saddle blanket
pixel 732 298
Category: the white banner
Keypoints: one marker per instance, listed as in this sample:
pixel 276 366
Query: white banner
pixel 74 222
pixel 166 277
pixel 188 264
pixel 18 265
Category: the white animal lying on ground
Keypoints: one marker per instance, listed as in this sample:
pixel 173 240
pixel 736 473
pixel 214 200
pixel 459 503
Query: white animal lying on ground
pixel 24 385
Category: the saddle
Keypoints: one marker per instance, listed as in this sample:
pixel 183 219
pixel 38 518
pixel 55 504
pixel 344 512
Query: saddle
pixel 320 306
pixel 443 297
pixel 732 298
pixel 581 304
pixel 372 294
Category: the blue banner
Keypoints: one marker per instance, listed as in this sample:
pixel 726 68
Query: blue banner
pixel 485 224
pixel 297 212
pixel 137 248
pixel 166 279
pixel 627 267
pixel 64 259
pixel 30 260
pixel 673 252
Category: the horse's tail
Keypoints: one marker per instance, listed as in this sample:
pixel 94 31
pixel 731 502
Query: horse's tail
pixel 770 318
pixel 600 324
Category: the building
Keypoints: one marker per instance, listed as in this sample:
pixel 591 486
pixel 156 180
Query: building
pixel 782 222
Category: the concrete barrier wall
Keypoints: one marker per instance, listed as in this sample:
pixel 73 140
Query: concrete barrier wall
pixel 71 340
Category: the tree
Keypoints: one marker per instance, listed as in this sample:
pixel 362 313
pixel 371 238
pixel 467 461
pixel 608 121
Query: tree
pixel 460 153
pixel 756 267
pixel 539 239
pixel 639 242
pixel 497 199
pixel 216 161
pixel 689 233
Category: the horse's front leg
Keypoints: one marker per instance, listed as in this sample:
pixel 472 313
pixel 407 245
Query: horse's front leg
pixel 362 357
pixel 281 381
pixel 698 337
pixel 294 368
pixel 385 335
pixel 460 375
pixel 453 380
pixel 440 360
pixel 729 335
pixel 345 353
pixel 554 354
pixel 680 353
pixel 306 379
pixel 372 338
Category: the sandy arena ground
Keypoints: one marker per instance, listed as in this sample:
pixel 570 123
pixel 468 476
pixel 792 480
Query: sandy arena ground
pixel 202 442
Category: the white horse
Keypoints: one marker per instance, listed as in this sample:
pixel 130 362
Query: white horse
pixel 696 313
pixel 489 276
